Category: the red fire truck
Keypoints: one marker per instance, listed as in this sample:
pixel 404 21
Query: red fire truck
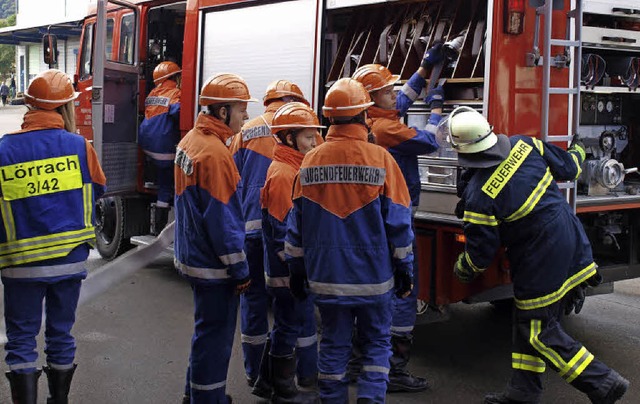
pixel 543 70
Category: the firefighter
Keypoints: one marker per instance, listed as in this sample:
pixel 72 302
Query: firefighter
pixel 405 144
pixel 297 128
pixel 252 151
pixel 51 179
pixel 350 233
pixel 512 200
pixel 210 236
pixel 159 134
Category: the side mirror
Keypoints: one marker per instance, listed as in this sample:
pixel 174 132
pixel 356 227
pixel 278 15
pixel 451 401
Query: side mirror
pixel 50 49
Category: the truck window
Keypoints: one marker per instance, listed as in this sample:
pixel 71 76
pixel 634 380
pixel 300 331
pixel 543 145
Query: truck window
pixel 109 47
pixel 127 36
pixel 87 51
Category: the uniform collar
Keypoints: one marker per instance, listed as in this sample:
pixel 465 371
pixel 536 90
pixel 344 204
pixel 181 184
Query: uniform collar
pixel 287 155
pixel 167 84
pixel 377 112
pixel 350 131
pixel 210 125
pixel 40 119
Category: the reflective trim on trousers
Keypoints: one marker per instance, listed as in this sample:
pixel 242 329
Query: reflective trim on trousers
pixel 401 330
pixel 304 342
pixel 234 258
pixel 43 271
pixel 325 376
pixel 161 156
pixel 276 282
pixel 253 339
pixel 208 387
pixel 60 367
pixel 527 362
pixel 373 368
pixel 293 251
pixel 19 366
pixel 345 289
pixel 202 273
pixel 253 225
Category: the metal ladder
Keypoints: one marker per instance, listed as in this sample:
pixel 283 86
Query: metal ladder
pixel 559 61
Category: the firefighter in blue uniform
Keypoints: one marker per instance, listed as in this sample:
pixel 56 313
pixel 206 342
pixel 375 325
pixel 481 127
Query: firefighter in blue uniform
pixel 350 233
pixel 512 199
pixel 405 145
pixel 252 151
pixel 209 241
pixel 159 134
pixel 50 181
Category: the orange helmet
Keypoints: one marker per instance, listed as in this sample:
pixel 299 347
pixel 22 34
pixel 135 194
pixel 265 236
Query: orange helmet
pixel 165 70
pixel 283 88
pixel 294 115
pixel 346 97
pixel 225 87
pixel 49 90
pixel 374 77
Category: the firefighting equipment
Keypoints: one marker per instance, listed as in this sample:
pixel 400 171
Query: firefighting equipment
pixel 224 88
pixel 593 69
pixel 346 98
pixel 463 270
pixel 59 381
pixel 283 88
pixel 435 97
pixel 24 387
pixel 164 70
pixel 49 90
pixel 375 77
pixel 432 56
pixel 299 284
pixel 467 131
pixel 400 379
pixel 294 115
pixel 403 282
pixel 283 371
pixel 574 300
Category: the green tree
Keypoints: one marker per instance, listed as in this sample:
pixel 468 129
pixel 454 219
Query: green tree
pixel 7 52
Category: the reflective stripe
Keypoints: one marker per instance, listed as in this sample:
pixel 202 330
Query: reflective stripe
pixel 19 366
pixel 409 92
pixel 347 289
pixel 403 330
pixel 325 376
pixel 304 342
pixel 87 201
pixel 7 219
pixel 254 339
pixel 43 271
pixel 49 240
pixel 577 364
pixel 41 254
pixel 479 218
pixel 527 362
pixel 539 145
pixel 253 225
pixel 208 387
pixel 431 128
pixel 402 252
pixel 276 282
pixel 202 273
pixel 533 199
pixel 233 258
pixel 60 367
pixel 161 156
pixel 553 356
pixel 578 165
pixel 293 251
pixel 472 265
pixel 373 368
pixel 553 297
pixel 505 171
pixel 580 151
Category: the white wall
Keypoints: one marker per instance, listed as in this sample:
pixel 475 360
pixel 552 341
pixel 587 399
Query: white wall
pixel 41 12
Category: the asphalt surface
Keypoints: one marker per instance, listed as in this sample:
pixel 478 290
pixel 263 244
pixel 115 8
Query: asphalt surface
pixel 133 342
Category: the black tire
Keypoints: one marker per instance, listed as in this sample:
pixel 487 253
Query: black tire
pixel 110 225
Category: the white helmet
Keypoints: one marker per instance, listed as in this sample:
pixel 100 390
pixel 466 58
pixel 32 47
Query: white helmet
pixel 467 131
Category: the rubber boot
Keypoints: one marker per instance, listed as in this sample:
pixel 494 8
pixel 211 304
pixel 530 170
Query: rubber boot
pixel 399 377
pixel 615 393
pixel 501 398
pixel 159 218
pixel 24 387
pixel 283 371
pixel 59 384
pixel 262 386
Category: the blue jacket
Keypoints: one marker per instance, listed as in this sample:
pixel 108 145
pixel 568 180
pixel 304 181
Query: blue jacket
pixel 159 131
pixel 350 226
pixel 518 205
pixel 49 179
pixel 209 241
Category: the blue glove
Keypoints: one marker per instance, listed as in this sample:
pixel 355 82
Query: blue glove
pixel 403 282
pixel 435 97
pixel 433 56
pixel 462 270
pixel 298 283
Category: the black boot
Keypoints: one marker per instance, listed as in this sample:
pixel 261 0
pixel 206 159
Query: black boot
pixel 363 400
pixel 615 393
pixel 399 377
pixel 24 387
pixel 501 398
pixel 186 399
pixel 59 384
pixel 159 218
pixel 262 385
pixel 283 371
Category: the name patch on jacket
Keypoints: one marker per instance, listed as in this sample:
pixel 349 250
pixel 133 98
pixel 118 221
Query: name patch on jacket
pixel 156 101
pixel 506 169
pixel 183 161
pixel 342 174
pixel 256 132
pixel 40 177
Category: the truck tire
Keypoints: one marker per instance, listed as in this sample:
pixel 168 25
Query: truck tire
pixel 110 226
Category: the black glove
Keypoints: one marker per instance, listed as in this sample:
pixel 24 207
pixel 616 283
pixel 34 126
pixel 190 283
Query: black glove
pixel 576 142
pixel 298 284
pixel 459 210
pixel 403 282
pixel 575 299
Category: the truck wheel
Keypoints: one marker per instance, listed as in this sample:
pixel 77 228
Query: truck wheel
pixel 110 226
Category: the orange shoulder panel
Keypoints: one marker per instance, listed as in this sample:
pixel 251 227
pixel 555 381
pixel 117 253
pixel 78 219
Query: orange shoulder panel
pixel 277 191
pixel 256 135
pixel 97 175
pixel 391 132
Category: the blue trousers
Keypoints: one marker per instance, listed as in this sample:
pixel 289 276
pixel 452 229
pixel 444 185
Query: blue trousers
pixel 254 306
pixel 23 316
pixel 216 310
pixel 164 180
pixel 404 310
pixel 539 341
pixel 373 322
pixel 294 327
